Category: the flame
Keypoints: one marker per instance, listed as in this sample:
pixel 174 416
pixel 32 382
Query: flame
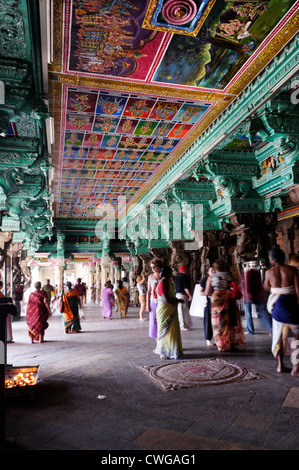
pixel 21 379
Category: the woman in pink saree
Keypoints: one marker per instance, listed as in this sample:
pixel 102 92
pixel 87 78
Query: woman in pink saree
pixel 37 314
pixel 107 300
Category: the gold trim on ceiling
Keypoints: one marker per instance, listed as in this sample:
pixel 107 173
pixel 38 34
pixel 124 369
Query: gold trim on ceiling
pixel 83 81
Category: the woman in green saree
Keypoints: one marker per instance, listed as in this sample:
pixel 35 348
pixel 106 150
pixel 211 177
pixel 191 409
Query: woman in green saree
pixel 169 342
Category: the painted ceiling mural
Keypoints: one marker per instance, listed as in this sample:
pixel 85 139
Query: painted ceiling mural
pixel 113 143
pixel 135 82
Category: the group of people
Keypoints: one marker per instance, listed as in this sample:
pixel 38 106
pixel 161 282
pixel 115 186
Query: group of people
pixel 221 315
pixel 167 304
pixel 118 295
pixel 38 308
pixel 37 312
pixel 169 309
pixel 166 300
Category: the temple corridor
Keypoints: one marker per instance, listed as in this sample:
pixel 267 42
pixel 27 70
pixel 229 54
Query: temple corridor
pixel 134 131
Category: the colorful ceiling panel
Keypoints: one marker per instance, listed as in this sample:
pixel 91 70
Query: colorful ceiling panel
pixel 134 83
pixel 112 143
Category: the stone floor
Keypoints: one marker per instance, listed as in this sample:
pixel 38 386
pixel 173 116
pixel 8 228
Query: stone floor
pixel 92 395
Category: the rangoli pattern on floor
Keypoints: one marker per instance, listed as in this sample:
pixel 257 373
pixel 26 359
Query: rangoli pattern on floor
pixel 196 373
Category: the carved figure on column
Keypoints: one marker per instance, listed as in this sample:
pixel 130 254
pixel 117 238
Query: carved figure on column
pixel 178 256
pixel 145 259
pixel 255 238
pixel 195 266
pixel 11 180
pixel 205 263
pixel 162 253
pixel 26 273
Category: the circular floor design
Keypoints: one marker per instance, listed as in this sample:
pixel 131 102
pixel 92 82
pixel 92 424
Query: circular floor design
pixel 198 372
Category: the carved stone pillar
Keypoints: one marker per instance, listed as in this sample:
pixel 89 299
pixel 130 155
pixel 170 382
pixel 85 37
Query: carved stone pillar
pixel 195 267
pixel 205 263
pixel 117 272
pixel 211 250
pixel 91 274
pixel 134 265
pixel 105 270
pixel 112 272
pixel 60 244
pixel 59 274
pixel 5 240
pixel 35 273
pixel 284 227
pixel 98 282
pixel 26 273
pixel 14 275
pixel 16 249
pixel 256 235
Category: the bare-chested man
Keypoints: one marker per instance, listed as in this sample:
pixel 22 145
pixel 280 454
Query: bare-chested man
pixel 283 283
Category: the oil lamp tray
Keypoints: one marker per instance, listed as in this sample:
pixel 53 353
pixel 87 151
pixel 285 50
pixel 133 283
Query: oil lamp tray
pixel 20 379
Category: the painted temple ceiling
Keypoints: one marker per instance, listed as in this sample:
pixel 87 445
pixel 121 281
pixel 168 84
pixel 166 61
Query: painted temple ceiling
pixel 134 83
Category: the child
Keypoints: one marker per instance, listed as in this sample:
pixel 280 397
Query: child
pixel 142 295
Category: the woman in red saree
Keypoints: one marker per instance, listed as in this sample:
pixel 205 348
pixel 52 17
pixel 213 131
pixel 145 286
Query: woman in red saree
pixel 37 314
pixel 226 323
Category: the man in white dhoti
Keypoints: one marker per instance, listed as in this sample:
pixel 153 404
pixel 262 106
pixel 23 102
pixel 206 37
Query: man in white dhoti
pixel 283 283
pixel 183 292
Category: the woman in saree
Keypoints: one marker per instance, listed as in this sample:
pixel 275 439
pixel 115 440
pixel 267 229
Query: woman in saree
pixel 70 311
pixel 169 342
pixel 37 314
pixel 151 296
pixel 122 299
pixel 226 324
pixel 107 300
